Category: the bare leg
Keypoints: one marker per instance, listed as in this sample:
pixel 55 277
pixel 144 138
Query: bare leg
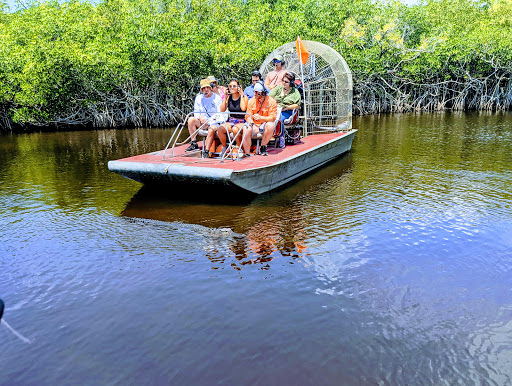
pixel 267 134
pixel 222 133
pixel 210 137
pixel 238 137
pixel 193 124
pixel 247 139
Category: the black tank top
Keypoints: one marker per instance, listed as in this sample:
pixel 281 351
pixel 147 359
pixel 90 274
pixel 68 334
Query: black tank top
pixel 234 107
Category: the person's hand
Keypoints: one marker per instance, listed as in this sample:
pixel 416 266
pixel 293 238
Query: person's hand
pixel 256 116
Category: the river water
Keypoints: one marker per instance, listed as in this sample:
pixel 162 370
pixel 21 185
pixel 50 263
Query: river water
pixel 392 265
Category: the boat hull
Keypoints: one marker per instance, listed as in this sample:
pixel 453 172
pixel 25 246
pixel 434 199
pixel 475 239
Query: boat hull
pixel 263 175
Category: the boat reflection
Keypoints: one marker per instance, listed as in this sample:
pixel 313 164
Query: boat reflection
pixel 242 229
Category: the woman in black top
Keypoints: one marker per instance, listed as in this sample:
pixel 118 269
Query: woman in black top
pixel 236 102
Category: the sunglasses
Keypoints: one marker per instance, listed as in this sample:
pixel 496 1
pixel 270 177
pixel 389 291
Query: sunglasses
pixel 276 61
pixel 232 86
pixel 258 93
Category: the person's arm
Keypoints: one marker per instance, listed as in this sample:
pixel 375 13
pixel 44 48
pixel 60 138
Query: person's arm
pixel 290 107
pixel 293 101
pixel 248 117
pixel 243 102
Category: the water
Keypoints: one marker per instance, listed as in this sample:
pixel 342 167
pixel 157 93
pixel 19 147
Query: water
pixel 390 266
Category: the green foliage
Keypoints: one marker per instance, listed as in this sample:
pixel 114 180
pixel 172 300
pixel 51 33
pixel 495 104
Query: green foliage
pixel 62 59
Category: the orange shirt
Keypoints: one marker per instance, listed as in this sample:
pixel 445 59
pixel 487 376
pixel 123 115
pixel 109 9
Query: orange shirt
pixel 266 109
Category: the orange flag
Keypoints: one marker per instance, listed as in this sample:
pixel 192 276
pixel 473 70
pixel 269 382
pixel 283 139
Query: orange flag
pixel 302 53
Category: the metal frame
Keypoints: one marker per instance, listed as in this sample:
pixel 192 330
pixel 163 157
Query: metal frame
pixel 327 85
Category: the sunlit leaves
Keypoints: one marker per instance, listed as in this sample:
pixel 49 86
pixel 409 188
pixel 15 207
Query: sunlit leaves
pixel 61 57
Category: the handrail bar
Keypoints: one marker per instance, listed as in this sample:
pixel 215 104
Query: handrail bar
pixel 231 141
pixel 175 135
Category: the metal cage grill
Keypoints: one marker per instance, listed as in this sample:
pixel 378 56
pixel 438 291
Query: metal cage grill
pixel 327 85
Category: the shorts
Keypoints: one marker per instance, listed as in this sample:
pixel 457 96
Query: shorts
pixel 255 128
pixel 236 121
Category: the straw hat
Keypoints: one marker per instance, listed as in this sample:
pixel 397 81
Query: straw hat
pixel 205 83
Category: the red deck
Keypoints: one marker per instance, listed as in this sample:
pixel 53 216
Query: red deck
pixel 274 155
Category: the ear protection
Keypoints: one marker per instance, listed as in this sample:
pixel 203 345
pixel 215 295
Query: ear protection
pixel 232 80
pixel 264 92
pixel 291 77
pixel 256 73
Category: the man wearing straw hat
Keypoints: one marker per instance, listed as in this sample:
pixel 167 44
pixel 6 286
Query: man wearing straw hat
pixel 206 106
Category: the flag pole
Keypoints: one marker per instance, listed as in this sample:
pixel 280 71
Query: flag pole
pixel 304 88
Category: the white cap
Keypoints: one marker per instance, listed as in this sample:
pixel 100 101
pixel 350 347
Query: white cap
pixel 258 87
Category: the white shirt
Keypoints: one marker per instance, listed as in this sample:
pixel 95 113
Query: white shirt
pixel 207 107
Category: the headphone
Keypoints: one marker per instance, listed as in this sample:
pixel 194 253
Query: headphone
pixel 291 78
pixel 264 92
pixel 233 80
pixel 256 73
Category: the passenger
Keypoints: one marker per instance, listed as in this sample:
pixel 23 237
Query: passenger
pixel 288 97
pixel 249 90
pixel 274 78
pixel 206 105
pixel 261 114
pixel 236 103
pixel 219 90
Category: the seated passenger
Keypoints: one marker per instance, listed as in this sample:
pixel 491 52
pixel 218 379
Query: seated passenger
pixel 206 105
pixel 274 78
pixel 261 114
pixel 288 97
pixel 236 103
pixel 219 90
pixel 249 90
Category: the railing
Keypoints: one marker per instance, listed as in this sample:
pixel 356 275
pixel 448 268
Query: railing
pixel 314 123
pixel 176 134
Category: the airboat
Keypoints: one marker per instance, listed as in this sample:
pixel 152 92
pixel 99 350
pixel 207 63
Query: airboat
pixel 322 132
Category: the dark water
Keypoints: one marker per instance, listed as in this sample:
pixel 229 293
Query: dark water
pixel 392 265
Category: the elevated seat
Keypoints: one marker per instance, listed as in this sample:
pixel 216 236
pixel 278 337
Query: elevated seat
pixel 291 128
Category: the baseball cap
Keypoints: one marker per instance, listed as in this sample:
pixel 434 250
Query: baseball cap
pixel 258 87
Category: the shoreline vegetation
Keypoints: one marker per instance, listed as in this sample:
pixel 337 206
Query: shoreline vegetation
pixel 127 63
